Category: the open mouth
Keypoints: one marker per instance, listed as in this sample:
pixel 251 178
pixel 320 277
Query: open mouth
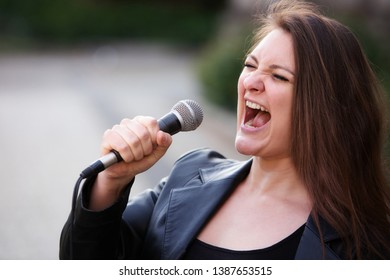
pixel 256 115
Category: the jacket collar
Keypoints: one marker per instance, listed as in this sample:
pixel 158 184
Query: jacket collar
pixel 197 202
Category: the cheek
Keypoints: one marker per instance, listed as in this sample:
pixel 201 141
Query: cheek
pixel 281 104
pixel 240 94
pixel 281 99
pixel 283 113
pixel 240 85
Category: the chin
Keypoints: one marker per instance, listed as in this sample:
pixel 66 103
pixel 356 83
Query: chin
pixel 243 146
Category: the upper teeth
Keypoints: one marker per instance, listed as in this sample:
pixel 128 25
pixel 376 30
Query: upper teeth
pixel 255 106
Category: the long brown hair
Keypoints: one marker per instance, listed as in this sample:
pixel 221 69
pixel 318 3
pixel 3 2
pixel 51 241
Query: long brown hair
pixel 338 128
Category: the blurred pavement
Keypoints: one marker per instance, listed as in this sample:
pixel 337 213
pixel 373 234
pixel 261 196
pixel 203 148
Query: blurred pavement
pixel 54 108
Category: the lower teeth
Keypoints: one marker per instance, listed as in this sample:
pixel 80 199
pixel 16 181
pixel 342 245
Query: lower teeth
pixel 249 123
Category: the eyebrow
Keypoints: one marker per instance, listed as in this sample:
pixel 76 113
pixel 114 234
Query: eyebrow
pixel 273 66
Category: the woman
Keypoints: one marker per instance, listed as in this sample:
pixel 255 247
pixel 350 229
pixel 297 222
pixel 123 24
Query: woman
pixel 310 115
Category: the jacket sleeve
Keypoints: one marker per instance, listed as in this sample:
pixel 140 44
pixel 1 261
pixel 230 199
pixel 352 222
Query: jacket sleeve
pixel 106 234
pixel 119 231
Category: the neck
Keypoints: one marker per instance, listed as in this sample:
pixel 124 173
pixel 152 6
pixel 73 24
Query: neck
pixel 275 176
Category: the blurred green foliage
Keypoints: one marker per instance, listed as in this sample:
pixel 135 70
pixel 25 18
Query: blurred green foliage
pixel 73 21
pixel 219 67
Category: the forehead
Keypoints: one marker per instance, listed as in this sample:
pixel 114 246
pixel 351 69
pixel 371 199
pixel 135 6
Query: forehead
pixel 276 48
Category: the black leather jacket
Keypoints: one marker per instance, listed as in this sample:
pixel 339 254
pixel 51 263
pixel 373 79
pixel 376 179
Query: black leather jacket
pixel 160 223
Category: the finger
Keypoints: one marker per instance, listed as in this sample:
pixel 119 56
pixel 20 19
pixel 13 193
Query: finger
pixel 113 140
pixel 143 144
pixel 164 140
pixel 151 125
pixel 105 147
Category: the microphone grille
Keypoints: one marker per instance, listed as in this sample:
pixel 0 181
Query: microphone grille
pixel 191 114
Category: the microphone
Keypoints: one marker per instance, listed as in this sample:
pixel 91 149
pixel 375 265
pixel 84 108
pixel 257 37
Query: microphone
pixel 185 115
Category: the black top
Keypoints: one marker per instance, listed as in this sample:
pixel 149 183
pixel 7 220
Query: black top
pixel 283 250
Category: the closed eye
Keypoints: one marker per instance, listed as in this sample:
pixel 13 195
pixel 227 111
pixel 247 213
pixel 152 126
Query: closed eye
pixel 279 77
pixel 248 65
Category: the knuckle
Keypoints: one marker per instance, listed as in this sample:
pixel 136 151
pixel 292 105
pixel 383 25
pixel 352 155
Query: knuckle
pixel 144 135
pixel 121 147
pixel 151 121
pixel 116 128
pixel 124 121
pixel 125 153
pixel 138 157
pixel 107 133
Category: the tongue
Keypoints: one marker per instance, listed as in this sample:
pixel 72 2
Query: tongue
pixel 261 119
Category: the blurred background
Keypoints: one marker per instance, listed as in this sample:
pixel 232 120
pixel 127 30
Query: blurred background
pixel 71 69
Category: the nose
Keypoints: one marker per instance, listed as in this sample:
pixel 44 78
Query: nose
pixel 254 82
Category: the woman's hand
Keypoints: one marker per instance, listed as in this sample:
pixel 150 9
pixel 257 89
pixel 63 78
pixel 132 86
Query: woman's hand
pixel 141 144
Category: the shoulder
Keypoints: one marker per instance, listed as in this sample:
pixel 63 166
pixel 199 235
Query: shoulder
pixel 201 156
pixel 191 167
pixel 193 161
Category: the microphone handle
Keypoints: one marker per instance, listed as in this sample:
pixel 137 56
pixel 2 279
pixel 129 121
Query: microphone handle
pixel 101 164
pixel 170 123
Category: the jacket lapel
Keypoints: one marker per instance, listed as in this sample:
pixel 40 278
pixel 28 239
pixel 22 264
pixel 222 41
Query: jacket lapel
pixel 310 247
pixel 190 207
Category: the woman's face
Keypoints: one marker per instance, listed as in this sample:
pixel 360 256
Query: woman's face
pixel 265 93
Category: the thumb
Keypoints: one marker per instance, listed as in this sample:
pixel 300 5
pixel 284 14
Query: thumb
pixel 164 141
